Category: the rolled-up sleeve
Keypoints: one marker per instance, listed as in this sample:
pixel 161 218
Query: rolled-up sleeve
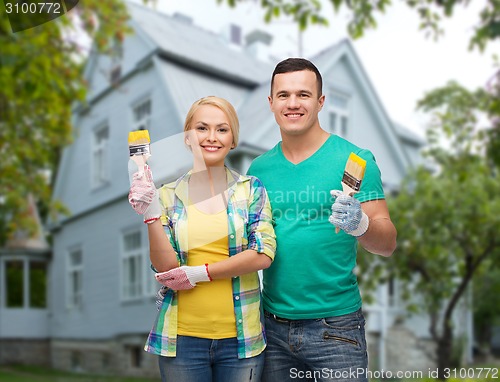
pixel 260 229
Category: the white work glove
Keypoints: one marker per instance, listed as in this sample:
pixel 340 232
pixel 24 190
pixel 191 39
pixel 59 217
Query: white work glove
pixel 348 215
pixel 184 277
pixel 143 196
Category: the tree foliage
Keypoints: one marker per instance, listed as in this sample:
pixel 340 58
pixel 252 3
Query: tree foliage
pixel 447 214
pixel 40 79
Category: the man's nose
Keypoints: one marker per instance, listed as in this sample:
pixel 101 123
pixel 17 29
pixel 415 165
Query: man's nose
pixel 293 102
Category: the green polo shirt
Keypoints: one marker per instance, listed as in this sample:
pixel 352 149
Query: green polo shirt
pixel 312 274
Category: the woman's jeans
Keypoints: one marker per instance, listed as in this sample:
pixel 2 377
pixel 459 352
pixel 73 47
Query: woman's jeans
pixel 206 360
pixel 325 349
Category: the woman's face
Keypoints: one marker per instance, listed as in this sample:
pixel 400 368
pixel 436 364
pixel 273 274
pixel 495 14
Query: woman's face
pixel 210 135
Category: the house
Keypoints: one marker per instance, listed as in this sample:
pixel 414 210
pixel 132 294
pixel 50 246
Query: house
pixel 100 288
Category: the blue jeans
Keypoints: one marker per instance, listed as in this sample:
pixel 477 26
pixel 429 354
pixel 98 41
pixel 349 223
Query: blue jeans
pixel 324 349
pixel 206 360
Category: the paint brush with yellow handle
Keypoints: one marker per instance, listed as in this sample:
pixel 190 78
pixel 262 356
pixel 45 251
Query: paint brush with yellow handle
pixel 353 176
pixel 139 149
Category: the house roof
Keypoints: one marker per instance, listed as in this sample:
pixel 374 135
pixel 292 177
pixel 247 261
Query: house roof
pixel 182 42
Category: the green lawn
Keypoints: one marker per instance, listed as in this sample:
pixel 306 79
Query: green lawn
pixel 38 374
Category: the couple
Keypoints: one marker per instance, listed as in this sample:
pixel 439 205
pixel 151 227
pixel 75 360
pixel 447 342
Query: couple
pixel 212 230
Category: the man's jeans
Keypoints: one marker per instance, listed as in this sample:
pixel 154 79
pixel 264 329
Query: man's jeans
pixel 205 360
pixel 325 349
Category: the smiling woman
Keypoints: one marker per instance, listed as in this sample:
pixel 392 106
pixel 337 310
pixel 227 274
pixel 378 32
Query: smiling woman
pixel 209 233
pixel 210 130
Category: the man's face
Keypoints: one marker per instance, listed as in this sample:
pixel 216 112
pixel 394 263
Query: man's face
pixel 295 101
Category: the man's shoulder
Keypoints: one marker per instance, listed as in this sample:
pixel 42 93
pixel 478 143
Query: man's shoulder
pixel 265 158
pixel 349 147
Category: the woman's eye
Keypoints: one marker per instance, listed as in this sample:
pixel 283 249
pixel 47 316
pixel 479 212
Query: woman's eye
pixel 201 128
pixel 223 130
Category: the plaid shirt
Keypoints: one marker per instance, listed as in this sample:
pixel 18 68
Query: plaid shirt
pixel 250 227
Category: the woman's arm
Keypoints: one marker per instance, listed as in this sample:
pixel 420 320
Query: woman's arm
pixel 242 263
pixel 161 253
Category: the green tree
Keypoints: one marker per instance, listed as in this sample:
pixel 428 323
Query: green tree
pixel 40 80
pixel 447 215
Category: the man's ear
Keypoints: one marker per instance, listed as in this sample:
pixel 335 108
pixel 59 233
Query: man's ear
pixel 270 100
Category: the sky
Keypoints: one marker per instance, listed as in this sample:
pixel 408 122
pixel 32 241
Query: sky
pixel 401 62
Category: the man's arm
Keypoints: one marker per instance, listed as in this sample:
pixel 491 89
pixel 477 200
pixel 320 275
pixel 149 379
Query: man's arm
pixel 380 238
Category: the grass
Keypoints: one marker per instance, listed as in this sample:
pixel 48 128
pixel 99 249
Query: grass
pixel 39 374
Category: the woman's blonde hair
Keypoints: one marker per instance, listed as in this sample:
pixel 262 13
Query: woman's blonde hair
pixel 223 105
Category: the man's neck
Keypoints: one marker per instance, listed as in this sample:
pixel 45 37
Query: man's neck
pixel 297 148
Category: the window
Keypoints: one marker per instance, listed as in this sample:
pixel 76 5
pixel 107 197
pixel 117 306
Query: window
pixel 132 270
pixel 136 356
pixel 38 284
pixel 99 157
pixel 141 113
pixel 137 278
pixel 25 284
pixel 75 278
pixel 15 283
pixel 116 58
pixel 338 115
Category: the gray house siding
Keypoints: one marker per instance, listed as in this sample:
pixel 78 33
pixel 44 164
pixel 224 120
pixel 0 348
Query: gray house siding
pixel 365 128
pixel 104 313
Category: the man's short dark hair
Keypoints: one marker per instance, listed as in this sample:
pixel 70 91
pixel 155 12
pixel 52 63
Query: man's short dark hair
pixel 296 65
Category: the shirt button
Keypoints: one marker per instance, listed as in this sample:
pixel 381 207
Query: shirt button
pixel 237 298
pixel 230 214
pixel 232 236
pixel 240 321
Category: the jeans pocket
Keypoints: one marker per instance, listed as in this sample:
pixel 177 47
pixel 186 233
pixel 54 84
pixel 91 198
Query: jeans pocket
pixel 332 336
pixel 347 329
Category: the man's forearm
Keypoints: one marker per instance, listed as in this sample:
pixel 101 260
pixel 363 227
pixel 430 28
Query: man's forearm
pixel 380 238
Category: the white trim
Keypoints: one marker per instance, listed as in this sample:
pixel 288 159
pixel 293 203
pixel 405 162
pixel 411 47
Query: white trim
pixel 74 299
pixel 99 177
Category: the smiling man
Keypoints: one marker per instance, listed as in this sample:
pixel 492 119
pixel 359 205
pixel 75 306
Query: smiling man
pixel 311 298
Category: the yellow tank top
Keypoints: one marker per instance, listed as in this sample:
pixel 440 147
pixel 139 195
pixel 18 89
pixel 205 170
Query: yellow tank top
pixel 207 310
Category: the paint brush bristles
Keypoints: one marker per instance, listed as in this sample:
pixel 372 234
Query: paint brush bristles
pixel 138 142
pixel 353 176
pixel 139 148
pixel 353 173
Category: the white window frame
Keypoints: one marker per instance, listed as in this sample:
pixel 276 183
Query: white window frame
pixel 146 286
pixel 339 116
pixel 74 295
pixel 99 160
pixel 144 106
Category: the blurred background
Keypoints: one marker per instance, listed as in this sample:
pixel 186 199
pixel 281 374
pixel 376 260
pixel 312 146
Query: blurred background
pixel 416 82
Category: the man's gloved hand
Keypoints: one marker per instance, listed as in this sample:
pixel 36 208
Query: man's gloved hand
pixel 184 277
pixel 348 215
pixel 143 196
